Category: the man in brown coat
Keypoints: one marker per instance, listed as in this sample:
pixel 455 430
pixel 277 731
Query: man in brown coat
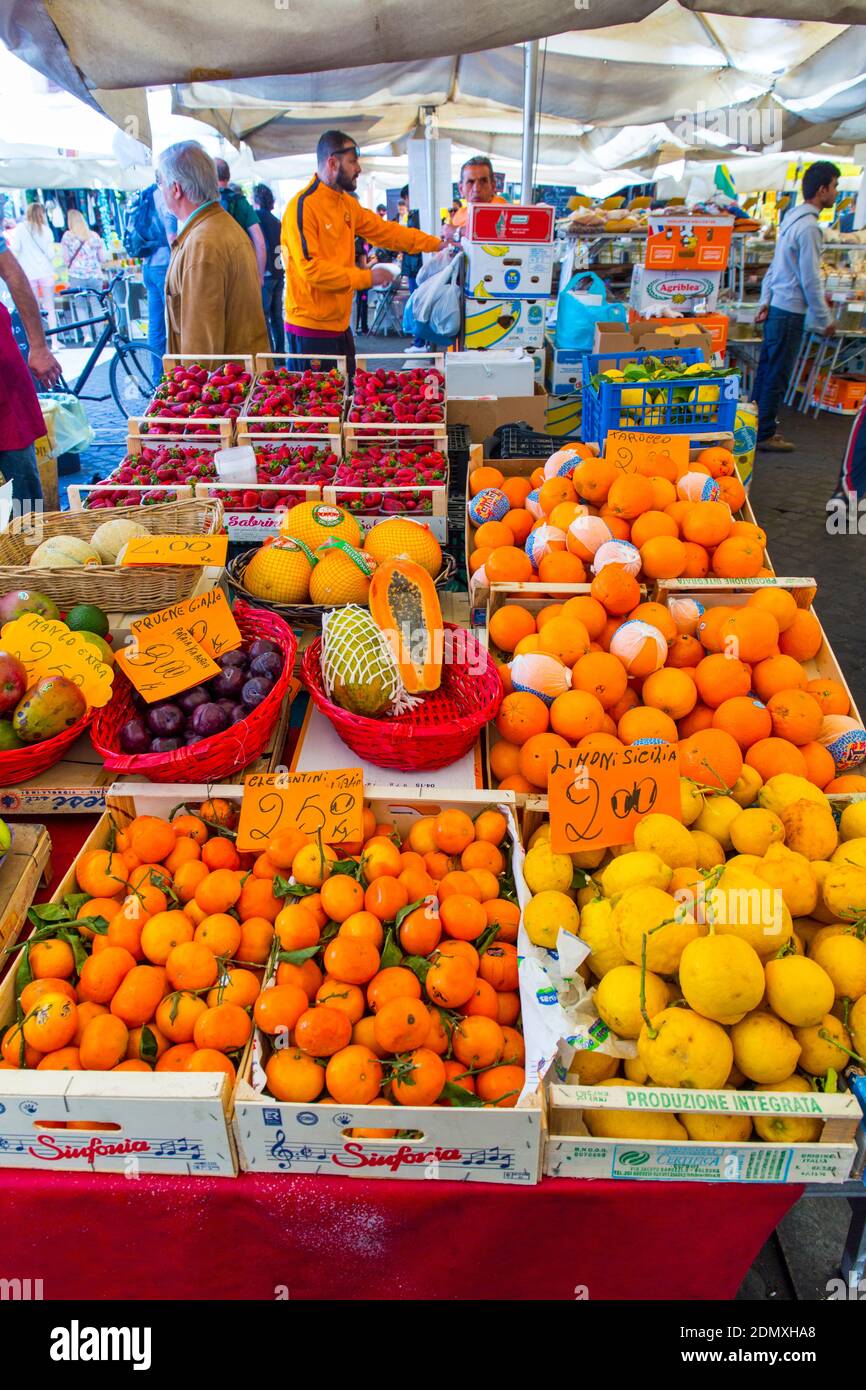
pixel 213 300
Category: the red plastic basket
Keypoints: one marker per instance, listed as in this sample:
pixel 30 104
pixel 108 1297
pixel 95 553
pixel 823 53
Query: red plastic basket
pixel 210 758
pixel 443 728
pixel 22 764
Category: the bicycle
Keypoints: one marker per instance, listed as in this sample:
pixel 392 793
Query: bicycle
pixel 130 372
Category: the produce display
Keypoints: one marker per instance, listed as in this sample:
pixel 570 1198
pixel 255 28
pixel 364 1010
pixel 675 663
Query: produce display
pixel 199 391
pixel 105 546
pixel 413 397
pixel 673 406
pixel 291 395
pixel 379 468
pixel 34 711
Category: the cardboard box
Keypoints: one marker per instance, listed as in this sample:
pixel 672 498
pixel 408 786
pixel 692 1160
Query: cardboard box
pixel 46 464
pixel 505 372
pixel 644 335
pixel 539 362
pixel 498 268
pixel 564 369
pixel 484 415
pixel 688 243
pixel 497 323
pixel 510 223
pixel 691 291
pixel 715 325
pixel 564 416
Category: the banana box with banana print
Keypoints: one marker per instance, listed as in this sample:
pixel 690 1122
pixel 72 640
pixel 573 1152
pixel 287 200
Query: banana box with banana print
pixel 506 268
pixel 500 323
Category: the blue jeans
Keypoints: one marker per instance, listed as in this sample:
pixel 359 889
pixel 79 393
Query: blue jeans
pixel 782 333
pixel 154 283
pixel 412 285
pixel 18 466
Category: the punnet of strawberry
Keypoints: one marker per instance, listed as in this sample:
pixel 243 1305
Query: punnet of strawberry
pixel 250 499
pixel 100 499
pixel 412 397
pixel 195 391
pixel 286 463
pixel 380 468
pixel 165 463
pixel 286 394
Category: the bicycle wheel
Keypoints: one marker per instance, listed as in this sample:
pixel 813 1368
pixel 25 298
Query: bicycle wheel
pixel 131 379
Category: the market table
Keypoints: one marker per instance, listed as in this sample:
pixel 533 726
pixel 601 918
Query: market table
pixel 310 1236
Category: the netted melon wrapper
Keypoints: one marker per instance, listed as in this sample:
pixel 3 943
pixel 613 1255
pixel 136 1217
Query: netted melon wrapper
pixel 358 668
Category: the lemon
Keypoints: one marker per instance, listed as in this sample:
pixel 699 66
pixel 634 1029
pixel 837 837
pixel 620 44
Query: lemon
pixel 843 957
pixel 752 832
pixel 681 1048
pixel 691 800
pixel 856 1026
pixel 617 998
pixel 745 789
pixel 587 859
pixel 821 913
pixel 545 871
pixel 844 892
pixel 587 894
pixel 765 1049
pixel 779 791
pixel 849 852
pixel 589 1068
pixel 717 1129
pixel 717 817
pixel 597 930
pixel 783 1128
pixel 635 1070
pixel 721 978
pixel 539 836
pixel 798 990
pixel 634 871
pixel 649 913
pixel 805 929
pixel 743 861
pixel 549 913
pixel 791 875
pixel 668 838
pixel 709 851
pixel 632 1124
pixel 744 905
pixel 818 1054
pixel 852 825
pixel 810 829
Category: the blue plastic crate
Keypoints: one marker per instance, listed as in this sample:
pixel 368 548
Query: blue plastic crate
pixel 603 409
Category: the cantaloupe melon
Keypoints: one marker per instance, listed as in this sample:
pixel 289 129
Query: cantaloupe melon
pixel 63 552
pixel 110 538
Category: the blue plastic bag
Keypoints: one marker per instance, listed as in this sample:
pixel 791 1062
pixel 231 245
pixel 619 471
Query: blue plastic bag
pixel 583 303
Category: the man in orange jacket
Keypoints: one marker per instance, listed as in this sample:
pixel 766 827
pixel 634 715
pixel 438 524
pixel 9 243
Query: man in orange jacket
pixel 319 229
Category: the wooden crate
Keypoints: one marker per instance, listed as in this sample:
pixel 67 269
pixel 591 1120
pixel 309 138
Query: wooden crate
pixel 249 424
pixel 570 1151
pixel 142 430
pixel 436 519
pixel 79 492
pixel 162 1123
pixel 27 863
pixel 251 528
pixel 356 432
pixel 469 1145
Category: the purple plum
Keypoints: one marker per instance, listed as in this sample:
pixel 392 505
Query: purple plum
pixel 236 658
pixel 135 737
pixel 256 690
pixel 229 684
pixel 260 646
pixel 208 719
pixel 165 745
pixel 166 720
pixel 191 699
pixel 269 664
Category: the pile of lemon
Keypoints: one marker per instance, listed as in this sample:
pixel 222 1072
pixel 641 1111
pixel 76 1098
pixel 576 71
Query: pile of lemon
pixel 728 948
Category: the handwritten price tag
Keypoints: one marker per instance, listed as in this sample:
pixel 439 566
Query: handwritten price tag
pixel 627 450
pixel 47 648
pixel 207 618
pixel 175 550
pixel 164 665
pixel 597 799
pixel 321 804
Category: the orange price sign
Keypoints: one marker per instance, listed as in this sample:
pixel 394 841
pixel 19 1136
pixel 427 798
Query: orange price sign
pixel 597 799
pixel 175 550
pixel 627 450
pixel 207 617
pixel 165 664
pixel 327 806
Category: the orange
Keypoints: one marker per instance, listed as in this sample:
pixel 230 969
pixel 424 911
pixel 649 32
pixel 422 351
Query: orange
pixel 600 743
pixel 514 1050
pixel 192 826
pixel 482 855
pixel 744 718
pixel 176 1058
pixel 557 567
pixel 508 624
pixel 96 907
pixel 140 992
pixel 504 758
pixel 17 1052
pixel 191 966
pixel 537 757
pixel 796 716
pixel 237 986
pixel 363 1034
pixel 52 958
pixel 780 602
pixel 219 891
pixel 615 589
pixel 351 959
pixel 420 1080
pixel 216 811
pixel 778 673
pixel 151 838
pixel 505 915
pixel 482 1001
pixel 506 562
pixel 701 717
pixel 629 700
pixel 420 931
pixel 658 616
pixel 256 939
pixel 341 897
pixel 348 999
pixel 453 831
pixel 830 694
pixel 224 1028
pixel 220 853
pixel 101 975
pixel 643 722
pixel 706 523
pixel 283 847
pixel 209 1060
pixel 711 758
pixel 322 1031
pixel 401 1025
pixel 566 638
pixel 697 564
pixel 86 1012
pixel 663 557
pixel 381 858
pixel 575 714
pixel 601 675
pixel 366 925
pixel 586 610
pixel 737 557
pixel 519 522
pixel 650 525
pixel 593 479
pixel 146 1044
pixel 617 525
pixel 522 715
pixel 438 864
pixel 354 1077
pixel 384 898
pixel 294 1077
pixel 500 1086
pixel 491 827
pixel 47 985
pixel 755 634
pixel 516 490
pixel 149 886
pixel 684 652
pixel 422 838
pixel 719 678
pixel 296 928
pixel 437 1038
pixel 671 691
pixel 820 767
pixel 50 1024
pixel 492 534
pixel 133 1064
pixel 664 492
pixel 264 867
pixel 629 495
pixel 257 899
pixel 456 1075
pixel 279 1007
pixel 731 490
pixel 478 1042
pixel 844 785
pixel 803 638
pixel 103 1043
pixel 771 756
pixel 456 881
pixel 220 933
pixel 391 983
pixel 484 477
pixel 719 461
pixel 162 933
pixel 450 981
pixel 462 917
pixel 554 491
pixel 188 878
pixel 102 874
pixel 498 966
pixel 177 1015
pixel 564 513
pixel 186 851
pixel 418 883
pixel 63 1059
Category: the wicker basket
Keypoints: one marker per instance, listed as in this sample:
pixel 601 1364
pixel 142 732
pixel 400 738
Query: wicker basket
pixel 19 765
pixel 221 755
pixel 443 728
pixel 305 614
pixel 113 588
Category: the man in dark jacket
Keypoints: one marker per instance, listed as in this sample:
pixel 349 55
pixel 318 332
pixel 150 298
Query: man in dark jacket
pixel 240 208
pixel 273 285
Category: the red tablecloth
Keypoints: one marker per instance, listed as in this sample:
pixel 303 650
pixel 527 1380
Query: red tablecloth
pixel 211 1238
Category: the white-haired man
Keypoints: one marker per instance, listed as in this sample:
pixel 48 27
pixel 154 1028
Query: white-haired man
pixel 213 299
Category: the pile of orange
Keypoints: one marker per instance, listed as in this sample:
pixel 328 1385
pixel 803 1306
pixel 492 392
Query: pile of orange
pixel 734 692
pixel 652 508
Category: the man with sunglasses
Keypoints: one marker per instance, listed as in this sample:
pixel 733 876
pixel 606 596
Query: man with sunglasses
pixel 319 229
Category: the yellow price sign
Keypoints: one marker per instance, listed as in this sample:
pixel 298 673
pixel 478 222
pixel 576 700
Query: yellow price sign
pixel 207 617
pixel 166 664
pixel 327 806
pixel 175 550
pixel 46 647
pixel 632 451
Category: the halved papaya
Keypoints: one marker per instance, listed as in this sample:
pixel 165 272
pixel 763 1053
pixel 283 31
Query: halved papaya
pixel 404 603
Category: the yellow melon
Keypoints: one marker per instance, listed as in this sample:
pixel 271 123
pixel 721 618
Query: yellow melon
pixel 317 522
pixel 401 539
pixel 280 571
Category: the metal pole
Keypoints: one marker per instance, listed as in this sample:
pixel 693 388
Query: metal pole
pixel 530 86
pixel 431 130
